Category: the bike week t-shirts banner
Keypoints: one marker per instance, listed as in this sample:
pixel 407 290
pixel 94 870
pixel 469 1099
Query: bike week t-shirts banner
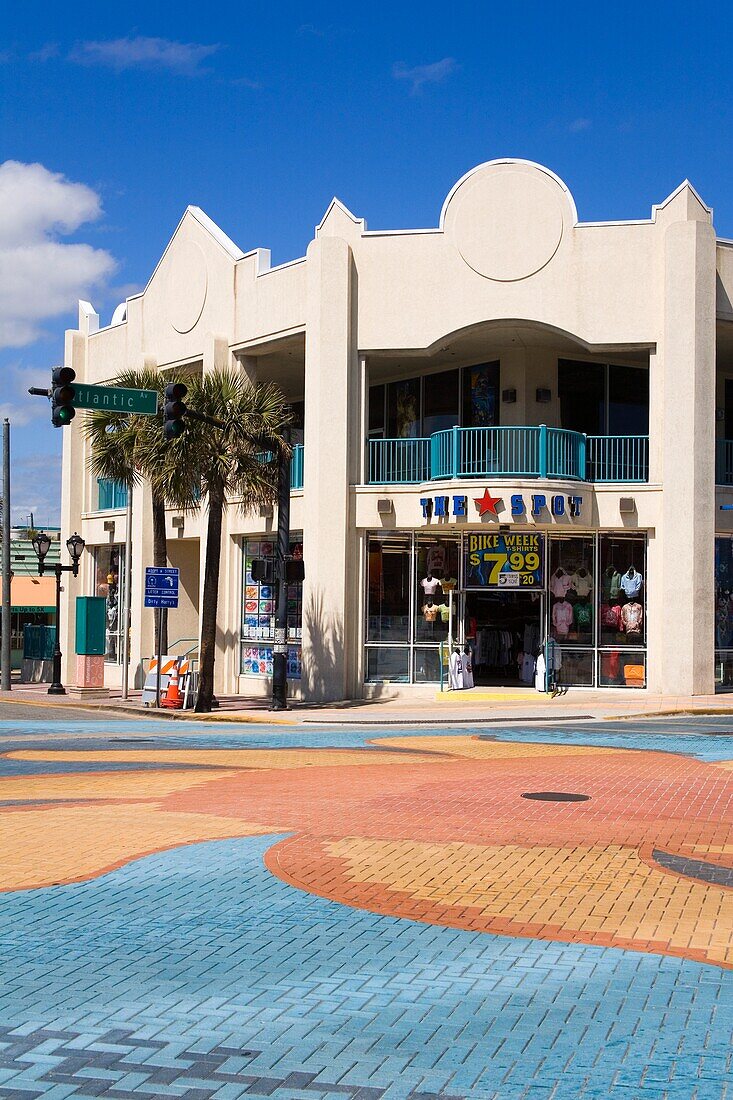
pixel 505 561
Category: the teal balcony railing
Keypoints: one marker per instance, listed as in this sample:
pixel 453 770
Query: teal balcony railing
pixel 618 457
pixel 520 452
pixel 296 467
pixel 724 462
pixel 110 494
pixel 399 461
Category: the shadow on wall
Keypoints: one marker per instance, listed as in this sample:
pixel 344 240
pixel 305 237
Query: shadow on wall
pixel 324 657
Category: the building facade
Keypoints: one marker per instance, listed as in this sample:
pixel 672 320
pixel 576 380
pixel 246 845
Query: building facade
pixel 512 427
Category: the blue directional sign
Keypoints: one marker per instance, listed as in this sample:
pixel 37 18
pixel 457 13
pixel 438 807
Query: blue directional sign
pixel 161 586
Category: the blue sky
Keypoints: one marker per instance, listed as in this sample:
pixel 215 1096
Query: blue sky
pixel 259 113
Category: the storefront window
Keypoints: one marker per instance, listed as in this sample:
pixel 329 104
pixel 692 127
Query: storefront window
pixel 436 576
pixel 576 668
pixel 584 592
pixel 724 613
pixel 109 573
pixel 572 590
pixel 259 609
pixel 622 591
pixel 388 663
pixel 388 597
pixel 622 668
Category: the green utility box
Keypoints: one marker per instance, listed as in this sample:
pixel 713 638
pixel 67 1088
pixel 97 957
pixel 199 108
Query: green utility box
pixel 91 619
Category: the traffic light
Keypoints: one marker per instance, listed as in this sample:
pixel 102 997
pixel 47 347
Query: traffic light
pixel 175 410
pixel 62 396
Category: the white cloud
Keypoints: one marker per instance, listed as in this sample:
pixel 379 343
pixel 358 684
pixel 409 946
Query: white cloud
pixel 40 276
pixel 46 53
pixel 36 487
pixel 20 407
pixel 144 53
pixel 419 75
pixel 579 124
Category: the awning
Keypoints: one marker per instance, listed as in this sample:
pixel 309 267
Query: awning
pixel 32 595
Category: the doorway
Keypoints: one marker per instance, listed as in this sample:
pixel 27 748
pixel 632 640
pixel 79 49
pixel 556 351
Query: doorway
pixel 504 630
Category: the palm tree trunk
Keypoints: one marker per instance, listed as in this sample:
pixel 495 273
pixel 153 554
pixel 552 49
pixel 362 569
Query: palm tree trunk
pixel 160 560
pixel 210 603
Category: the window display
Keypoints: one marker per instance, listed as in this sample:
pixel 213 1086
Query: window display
pixel 388 596
pixel 437 575
pixel 591 609
pixel 621 613
pixel 109 582
pixel 572 590
pixel 724 612
pixel 259 608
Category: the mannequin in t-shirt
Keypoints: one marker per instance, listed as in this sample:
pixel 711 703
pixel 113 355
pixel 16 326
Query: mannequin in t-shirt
pixel 430 584
pixel 430 610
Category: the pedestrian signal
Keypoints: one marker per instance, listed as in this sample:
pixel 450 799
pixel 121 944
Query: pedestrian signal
pixel 263 570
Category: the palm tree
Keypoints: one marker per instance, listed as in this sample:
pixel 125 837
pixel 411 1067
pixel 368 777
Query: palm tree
pixel 219 465
pixel 124 447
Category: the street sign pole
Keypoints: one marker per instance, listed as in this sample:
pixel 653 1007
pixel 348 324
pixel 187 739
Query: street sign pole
pixel 159 655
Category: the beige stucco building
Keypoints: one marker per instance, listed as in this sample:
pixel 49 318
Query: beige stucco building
pixel 514 371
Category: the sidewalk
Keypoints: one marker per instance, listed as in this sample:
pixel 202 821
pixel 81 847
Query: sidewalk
pixel 477 705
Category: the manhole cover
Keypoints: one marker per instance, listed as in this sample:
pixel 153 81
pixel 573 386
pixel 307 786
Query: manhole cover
pixel 556 796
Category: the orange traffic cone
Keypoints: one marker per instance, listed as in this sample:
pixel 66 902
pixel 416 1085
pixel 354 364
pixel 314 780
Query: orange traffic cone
pixel 173 698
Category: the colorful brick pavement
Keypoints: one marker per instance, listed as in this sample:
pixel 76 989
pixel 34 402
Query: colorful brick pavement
pixel 219 914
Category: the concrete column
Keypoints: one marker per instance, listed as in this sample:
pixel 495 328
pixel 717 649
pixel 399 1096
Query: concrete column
pixel 333 444
pixel 681 642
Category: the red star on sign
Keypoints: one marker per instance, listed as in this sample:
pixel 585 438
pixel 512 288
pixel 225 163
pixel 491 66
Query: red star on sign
pixel 486 503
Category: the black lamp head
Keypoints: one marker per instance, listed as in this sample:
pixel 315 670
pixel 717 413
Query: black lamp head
pixel 41 544
pixel 75 545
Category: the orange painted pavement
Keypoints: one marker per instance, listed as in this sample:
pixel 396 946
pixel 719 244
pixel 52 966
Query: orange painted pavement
pixel 445 837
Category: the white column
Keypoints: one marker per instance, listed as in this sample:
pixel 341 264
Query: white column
pixel 681 641
pixel 333 443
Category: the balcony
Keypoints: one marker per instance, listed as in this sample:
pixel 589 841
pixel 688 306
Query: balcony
pixel 296 465
pixel 518 452
pixel 111 494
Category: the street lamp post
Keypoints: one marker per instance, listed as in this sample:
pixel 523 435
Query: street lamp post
pixel 75 545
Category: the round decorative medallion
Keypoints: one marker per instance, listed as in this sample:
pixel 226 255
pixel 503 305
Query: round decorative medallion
pixel 186 285
pixel 507 224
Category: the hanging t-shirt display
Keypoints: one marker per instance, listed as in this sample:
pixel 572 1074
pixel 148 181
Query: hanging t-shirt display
pixel 632 615
pixel 562 618
pixel 582 583
pixel 631 582
pixel 560 583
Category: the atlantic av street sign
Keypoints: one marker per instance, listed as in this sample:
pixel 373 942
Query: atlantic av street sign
pixel 115 399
